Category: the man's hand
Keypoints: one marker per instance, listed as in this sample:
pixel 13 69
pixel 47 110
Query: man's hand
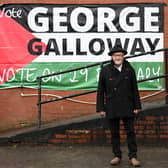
pixel 136 111
pixel 102 113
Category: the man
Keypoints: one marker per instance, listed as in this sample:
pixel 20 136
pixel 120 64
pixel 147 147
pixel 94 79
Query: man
pixel 118 98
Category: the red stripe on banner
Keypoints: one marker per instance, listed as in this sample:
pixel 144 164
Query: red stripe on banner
pixel 13 48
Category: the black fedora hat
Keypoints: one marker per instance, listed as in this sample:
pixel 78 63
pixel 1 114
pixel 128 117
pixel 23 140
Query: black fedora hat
pixel 115 49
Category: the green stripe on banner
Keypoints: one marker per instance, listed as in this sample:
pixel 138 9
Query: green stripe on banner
pixel 146 70
pixel 85 79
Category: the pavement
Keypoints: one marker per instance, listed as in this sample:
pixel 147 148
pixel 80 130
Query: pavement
pixel 64 156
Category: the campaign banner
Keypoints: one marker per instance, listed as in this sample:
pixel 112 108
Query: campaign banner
pixel 39 39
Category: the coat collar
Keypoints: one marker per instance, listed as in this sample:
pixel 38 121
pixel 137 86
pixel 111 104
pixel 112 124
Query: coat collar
pixel 125 66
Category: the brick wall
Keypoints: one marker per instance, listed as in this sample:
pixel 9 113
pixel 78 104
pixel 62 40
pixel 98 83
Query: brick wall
pixel 150 129
pixel 17 111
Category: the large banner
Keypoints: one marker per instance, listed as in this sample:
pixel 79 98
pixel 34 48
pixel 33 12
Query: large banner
pixel 39 39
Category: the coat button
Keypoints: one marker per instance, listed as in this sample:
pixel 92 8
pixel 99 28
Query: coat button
pixel 115 89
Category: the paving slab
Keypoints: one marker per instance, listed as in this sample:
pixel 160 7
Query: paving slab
pixel 64 156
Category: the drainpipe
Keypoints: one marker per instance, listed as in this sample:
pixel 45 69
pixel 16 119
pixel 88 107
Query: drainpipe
pixel 166 72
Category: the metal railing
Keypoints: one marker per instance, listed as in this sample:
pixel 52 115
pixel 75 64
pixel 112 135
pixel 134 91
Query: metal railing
pixel 39 80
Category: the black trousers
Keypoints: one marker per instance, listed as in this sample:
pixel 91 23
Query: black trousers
pixel 114 125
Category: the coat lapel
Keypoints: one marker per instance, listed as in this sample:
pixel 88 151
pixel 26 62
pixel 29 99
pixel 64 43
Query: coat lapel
pixel 120 75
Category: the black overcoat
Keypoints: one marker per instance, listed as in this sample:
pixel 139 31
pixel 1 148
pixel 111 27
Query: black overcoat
pixel 117 93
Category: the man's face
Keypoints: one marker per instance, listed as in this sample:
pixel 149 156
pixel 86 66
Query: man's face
pixel 118 58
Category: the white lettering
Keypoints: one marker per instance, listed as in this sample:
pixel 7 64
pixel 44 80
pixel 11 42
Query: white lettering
pixel 134 21
pixel 88 21
pixel 14 13
pixel 58 19
pixel 149 19
pixel 106 17
pixel 43 22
